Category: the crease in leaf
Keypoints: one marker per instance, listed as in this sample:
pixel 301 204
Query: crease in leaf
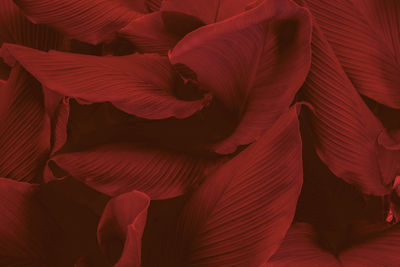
pixel 253 63
pixel 140 85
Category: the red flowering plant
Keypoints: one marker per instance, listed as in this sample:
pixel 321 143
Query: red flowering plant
pixel 199 133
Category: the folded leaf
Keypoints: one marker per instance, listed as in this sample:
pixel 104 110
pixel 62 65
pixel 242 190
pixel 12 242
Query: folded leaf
pixel 119 168
pixel 241 213
pixel 254 63
pixel 300 248
pixel 149 34
pixel 29 236
pixel 24 127
pixel 140 85
pixel 348 137
pixel 17 29
pixel 207 11
pixel 364 35
pixel 121 228
pixel 92 21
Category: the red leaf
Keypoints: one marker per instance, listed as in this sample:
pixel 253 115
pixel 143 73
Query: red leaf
pixel 149 34
pixel 142 6
pixel 29 236
pixel 119 168
pixel 207 11
pixel 364 35
pixel 137 84
pixel 348 137
pixel 300 248
pixel 254 63
pixel 92 21
pixel 380 251
pixel 121 228
pixel 24 127
pixel 241 213
pixel 16 28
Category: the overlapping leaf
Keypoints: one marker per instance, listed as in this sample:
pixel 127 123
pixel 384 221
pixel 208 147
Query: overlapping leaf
pixel 24 127
pixel 114 169
pixel 241 213
pixel 207 11
pixel 29 235
pixel 254 63
pixel 121 228
pixel 301 248
pixel 91 21
pixel 16 28
pixel 149 34
pixel 364 35
pixel 137 84
pixel 348 137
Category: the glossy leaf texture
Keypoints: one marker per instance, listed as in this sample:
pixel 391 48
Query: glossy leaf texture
pixel 16 28
pixel 149 34
pixel 241 213
pixel 301 248
pixel 114 169
pixel 29 236
pixel 364 35
pixel 91 21
pixel 24 127
pixel 349 139
pixel 140 85
pixel 253 63
pixel 121 228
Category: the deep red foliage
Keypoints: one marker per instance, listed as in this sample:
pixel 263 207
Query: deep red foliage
pixel 199 133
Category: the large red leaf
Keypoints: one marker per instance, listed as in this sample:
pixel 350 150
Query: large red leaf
pixel 254 63
pixel 28 235
pixel 121 228
pixel 92 21
pixel 16 28
pixel 141 85
pixel 241 213
pixel 149 34
pixel 119 168
pixel 348 137
pixel 24 127
pixel 364 35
